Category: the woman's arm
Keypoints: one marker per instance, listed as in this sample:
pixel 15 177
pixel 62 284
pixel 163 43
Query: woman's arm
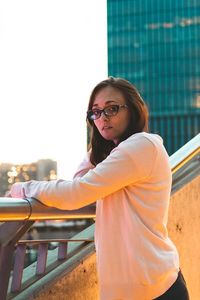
pixel 121 168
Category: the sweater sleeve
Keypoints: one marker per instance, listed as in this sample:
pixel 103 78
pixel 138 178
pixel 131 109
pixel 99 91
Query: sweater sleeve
pixel 121 168
pixel 84 167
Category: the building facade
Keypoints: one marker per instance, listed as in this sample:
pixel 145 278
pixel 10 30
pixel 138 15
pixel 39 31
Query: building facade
pixel 156 45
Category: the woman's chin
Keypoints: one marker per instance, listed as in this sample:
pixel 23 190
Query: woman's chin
pixel 107 137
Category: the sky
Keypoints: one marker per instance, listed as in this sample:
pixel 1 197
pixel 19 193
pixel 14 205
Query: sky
pixel 52 54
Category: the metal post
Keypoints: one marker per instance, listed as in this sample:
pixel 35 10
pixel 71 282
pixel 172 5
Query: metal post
pixel 18 267
pixel 62 251
pixel 10 233
pixel 42 258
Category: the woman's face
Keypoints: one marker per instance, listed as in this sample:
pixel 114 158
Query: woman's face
pixel 111 128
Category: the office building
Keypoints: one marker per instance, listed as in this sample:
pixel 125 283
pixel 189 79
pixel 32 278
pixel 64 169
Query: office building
pixel 156 45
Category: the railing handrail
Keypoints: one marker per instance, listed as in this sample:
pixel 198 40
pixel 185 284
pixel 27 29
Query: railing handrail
pixel 16 209
pixel 12 209
pixel 45 241
pixel 185 153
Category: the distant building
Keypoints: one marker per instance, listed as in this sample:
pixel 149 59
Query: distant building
pixel 4 183
pixel 156 45
pixel 44 169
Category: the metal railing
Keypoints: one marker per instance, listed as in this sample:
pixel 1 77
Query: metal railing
pixel 65 254
pixel 18 215
pixel 14 209
pixel 185 163
pixel 185 154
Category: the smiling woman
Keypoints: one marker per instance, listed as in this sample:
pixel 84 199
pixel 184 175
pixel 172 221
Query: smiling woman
pixel 39 77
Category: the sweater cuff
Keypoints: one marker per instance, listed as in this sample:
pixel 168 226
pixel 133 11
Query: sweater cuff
pixel 17 190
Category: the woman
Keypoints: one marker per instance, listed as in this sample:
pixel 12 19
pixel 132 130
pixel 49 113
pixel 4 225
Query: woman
pixel 127 172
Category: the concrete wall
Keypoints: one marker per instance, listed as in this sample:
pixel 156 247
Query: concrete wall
pixel 80 284
pixel 184 227
pixel 184 230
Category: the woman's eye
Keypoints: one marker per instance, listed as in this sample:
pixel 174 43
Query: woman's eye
pixel 111 109
pixel 95 112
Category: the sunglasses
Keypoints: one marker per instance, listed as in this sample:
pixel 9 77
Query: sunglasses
pixel 108 111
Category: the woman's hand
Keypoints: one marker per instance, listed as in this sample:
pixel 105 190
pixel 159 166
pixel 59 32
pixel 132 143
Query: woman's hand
pixel 16 191
pixel 8 194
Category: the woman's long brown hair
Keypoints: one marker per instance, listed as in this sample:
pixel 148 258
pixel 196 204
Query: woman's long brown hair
pixel 100 147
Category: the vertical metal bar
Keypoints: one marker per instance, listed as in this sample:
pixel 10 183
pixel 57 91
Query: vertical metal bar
pixel 42 258
pixel 18 267
pixel 169 121
pixel 10 233
pixel 62 250
pixel 182 122
pixel 6 259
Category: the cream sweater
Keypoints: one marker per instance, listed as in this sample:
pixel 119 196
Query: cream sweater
pixel 136 260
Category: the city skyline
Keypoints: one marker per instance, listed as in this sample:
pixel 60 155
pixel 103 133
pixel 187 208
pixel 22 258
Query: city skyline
pixel 43 169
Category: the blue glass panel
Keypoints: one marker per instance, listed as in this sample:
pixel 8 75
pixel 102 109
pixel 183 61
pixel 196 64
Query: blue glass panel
pixel 156 45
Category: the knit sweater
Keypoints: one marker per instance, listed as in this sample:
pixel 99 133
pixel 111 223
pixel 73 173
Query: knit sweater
pixel 136 260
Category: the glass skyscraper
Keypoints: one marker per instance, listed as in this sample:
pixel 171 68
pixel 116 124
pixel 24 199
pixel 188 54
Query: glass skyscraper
pixel 156 45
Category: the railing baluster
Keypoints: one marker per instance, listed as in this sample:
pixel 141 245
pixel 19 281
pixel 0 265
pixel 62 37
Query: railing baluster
pixel 62 250
pixel 18 267
pixel 9 234
pixel 6 255
pixel 42 258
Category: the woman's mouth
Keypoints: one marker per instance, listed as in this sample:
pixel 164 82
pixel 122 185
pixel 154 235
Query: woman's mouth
pixel 106 127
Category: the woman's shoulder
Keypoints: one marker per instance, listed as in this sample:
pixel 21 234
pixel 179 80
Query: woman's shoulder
pixel 143 139
pixel 144 146
pixel 145 150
